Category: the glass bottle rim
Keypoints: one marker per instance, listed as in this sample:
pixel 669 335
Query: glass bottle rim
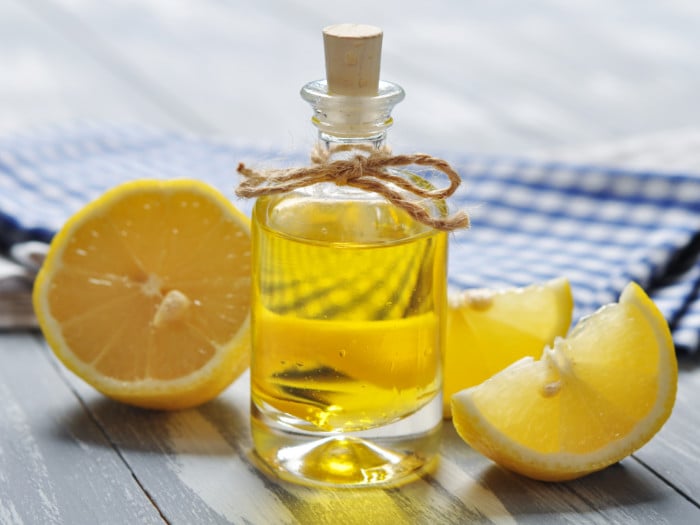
pixel 388 93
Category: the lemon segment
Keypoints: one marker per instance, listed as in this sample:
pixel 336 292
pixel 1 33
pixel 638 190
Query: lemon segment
pixel 590 400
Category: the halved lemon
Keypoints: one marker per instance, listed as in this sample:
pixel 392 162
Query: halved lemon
pixel 145 293
pixel 487 330
pixel 589 401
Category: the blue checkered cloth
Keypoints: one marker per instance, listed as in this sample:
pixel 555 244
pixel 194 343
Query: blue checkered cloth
pixel 531 221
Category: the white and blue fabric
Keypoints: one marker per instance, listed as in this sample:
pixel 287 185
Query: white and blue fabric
pixel 599 227
pixel 531 221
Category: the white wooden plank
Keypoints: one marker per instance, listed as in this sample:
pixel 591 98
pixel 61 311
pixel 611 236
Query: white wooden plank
pixel 231 65
pixel 193 464
pixel 495 76
pixel 675 452
pixel 622 493
pixel 196 466
pixel 47 77
pixel 56 465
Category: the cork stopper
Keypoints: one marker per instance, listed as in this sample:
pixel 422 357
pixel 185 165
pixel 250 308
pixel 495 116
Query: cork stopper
pixel 353 56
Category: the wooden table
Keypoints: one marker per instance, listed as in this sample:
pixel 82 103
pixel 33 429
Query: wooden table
pixel 496 77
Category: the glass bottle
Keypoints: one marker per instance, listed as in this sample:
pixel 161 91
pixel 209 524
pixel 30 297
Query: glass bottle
pixel 348 306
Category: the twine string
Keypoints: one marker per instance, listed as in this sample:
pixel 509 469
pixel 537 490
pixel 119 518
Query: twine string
pixel 367 169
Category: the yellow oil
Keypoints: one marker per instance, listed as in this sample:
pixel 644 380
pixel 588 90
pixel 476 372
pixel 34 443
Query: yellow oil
pixel 348 300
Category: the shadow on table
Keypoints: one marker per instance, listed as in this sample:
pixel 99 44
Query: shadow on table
pixel 623 486
pixel 614 490
pixel 215 428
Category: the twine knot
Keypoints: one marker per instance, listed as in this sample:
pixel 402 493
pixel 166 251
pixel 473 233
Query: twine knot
pixel 368 170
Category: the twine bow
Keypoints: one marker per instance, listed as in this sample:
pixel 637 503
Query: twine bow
pixel 367 172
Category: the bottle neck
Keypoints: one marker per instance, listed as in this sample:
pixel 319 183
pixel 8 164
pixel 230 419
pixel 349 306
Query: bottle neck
pixel 328 141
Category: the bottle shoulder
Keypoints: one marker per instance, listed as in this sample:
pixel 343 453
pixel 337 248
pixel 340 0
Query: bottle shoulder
pixel 337 215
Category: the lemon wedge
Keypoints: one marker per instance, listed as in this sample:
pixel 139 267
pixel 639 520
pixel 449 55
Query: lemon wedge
pixel 590 400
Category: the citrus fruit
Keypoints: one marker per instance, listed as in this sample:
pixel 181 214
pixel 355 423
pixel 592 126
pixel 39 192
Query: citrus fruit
pixel 145 293
pixel 589 401
pixel 488 330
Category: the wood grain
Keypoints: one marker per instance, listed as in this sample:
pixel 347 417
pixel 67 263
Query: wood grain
pixel 674 454
pixel 203 457
pixel 48 77
pixel 56 464
pixel 485 77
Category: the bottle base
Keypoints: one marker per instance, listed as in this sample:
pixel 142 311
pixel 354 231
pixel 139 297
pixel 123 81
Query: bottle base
pixel 352 460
